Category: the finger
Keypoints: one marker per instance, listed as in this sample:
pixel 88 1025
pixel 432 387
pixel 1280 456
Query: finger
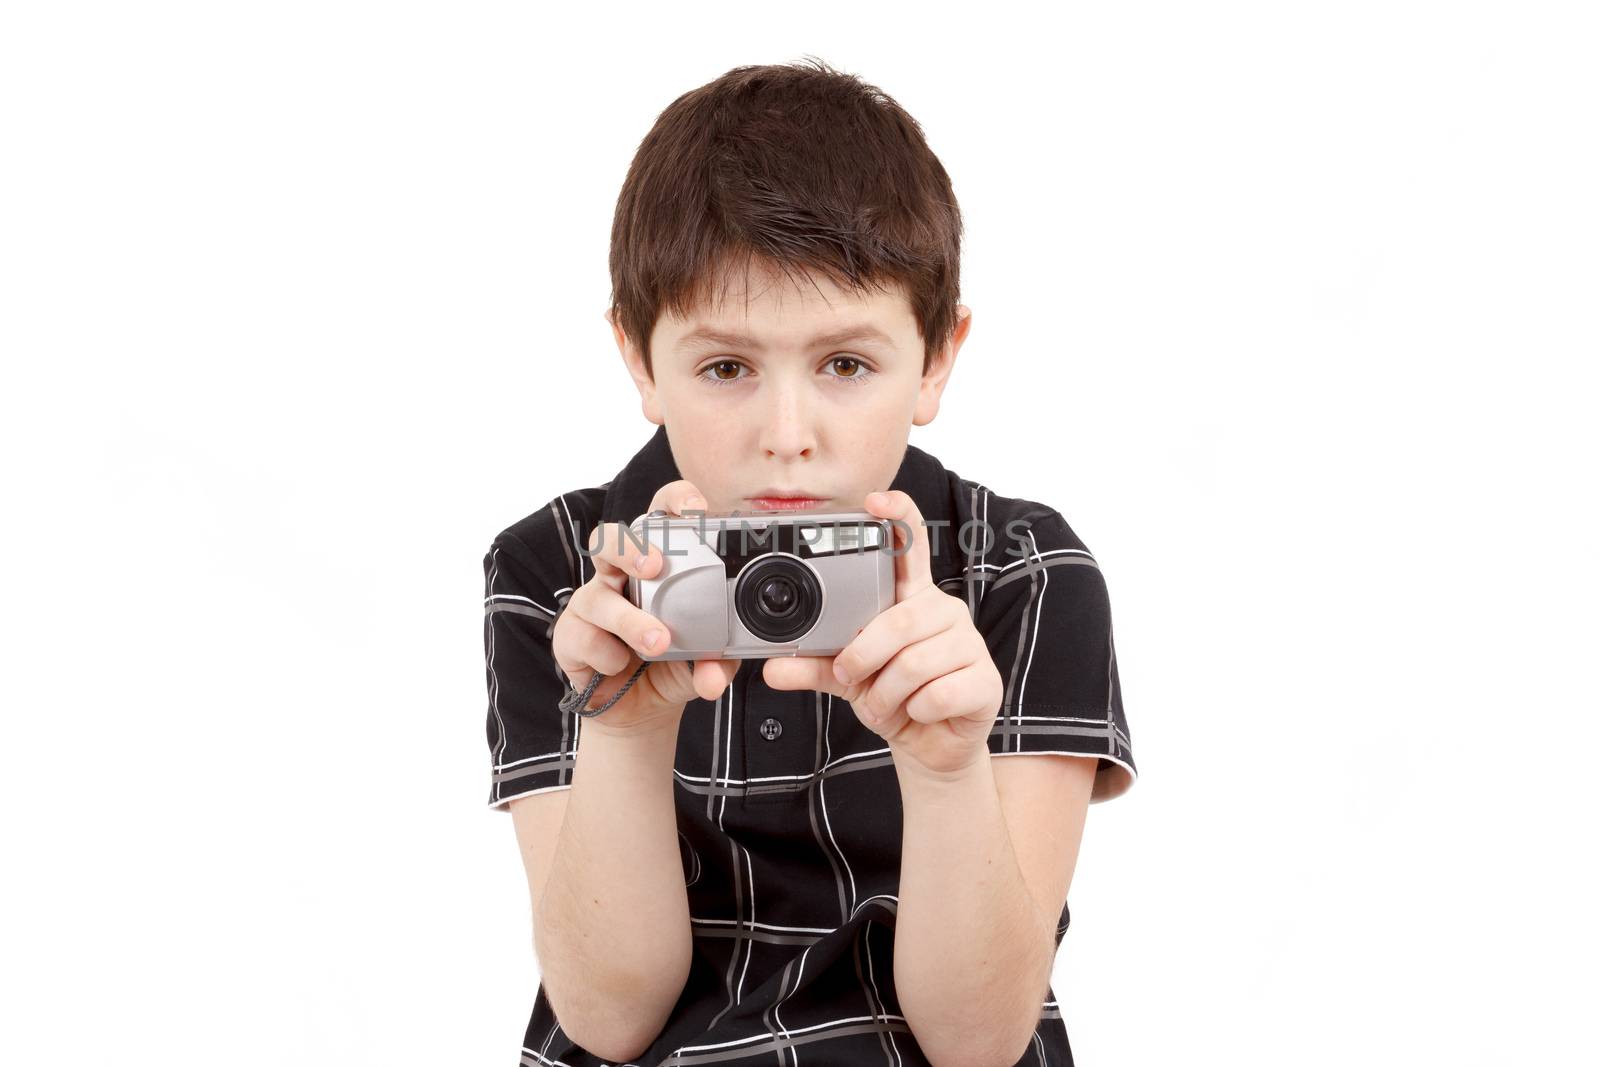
pixel 678 497
pixel 712 676
pixel 914 667
pixel 912 569
pixel 616 614
pixel 585 648
pixel 892 630
pixel 956 698
pixel 617 552
pixel 806 672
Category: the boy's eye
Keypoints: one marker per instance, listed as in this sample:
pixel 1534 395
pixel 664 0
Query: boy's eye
pixel 724 370
pixel 848 367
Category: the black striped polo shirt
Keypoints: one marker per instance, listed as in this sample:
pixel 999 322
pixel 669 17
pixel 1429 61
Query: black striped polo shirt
pixel 788 808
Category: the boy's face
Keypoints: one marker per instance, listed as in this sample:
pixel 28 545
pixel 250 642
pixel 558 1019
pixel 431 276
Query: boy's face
pixel 782 389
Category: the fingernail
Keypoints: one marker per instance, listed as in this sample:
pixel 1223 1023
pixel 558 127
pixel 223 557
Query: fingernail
pixel 840 673
pixel 694 503
pixel 875 499
pixel 651 638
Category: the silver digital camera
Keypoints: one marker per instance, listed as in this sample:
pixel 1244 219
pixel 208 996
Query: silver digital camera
pixel 764 584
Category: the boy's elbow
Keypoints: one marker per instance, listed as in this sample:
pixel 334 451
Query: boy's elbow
pixel 610 1048
pixel 611 1039
pixel 978 1052
pixel 618 1022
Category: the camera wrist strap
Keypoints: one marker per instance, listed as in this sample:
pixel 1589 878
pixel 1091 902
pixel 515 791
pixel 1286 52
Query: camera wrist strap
pixel 578 700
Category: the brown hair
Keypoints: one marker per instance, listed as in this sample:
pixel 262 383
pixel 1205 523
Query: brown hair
pixel 801 166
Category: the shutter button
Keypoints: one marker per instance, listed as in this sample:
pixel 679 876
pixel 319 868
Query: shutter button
pixel 771 729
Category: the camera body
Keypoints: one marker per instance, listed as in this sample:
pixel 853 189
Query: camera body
pixel 765 584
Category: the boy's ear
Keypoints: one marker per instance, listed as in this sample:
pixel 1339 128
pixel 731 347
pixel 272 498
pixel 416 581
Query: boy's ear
pixel 633 359
pixel 938 372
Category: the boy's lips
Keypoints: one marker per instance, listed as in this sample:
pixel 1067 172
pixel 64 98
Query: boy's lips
pixel 784 500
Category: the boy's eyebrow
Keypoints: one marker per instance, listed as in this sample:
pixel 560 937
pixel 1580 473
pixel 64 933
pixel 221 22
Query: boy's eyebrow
pixel 710 337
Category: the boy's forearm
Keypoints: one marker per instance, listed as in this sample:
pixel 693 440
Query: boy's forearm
pixel 973 953
pixel 612 927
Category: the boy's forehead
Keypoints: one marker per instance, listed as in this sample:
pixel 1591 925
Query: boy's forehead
pixel 764 307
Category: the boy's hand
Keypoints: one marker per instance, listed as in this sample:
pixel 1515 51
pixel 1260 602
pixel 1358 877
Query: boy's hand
pixel 600 629
pixel 919 674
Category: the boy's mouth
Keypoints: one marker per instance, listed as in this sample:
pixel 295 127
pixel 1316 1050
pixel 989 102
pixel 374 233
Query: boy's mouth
pixel 784 502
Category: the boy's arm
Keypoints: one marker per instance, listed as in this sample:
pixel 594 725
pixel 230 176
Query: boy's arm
pixel 611 913
pixel 980 883
pixel 987 855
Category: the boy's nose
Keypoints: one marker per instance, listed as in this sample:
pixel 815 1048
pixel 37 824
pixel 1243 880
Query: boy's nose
pixel 788 432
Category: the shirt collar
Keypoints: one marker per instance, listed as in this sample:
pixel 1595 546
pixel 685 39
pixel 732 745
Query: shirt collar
pixel 928 482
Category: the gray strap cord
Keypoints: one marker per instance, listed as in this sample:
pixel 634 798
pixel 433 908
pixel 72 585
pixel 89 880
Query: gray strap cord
pixel 578 700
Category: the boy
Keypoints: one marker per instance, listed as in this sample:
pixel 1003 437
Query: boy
pixel 798 858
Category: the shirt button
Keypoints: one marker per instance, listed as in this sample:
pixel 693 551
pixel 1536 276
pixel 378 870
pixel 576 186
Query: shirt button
pixel 771 729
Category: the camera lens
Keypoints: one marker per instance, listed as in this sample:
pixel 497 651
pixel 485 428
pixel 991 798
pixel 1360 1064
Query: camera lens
pixel 778 597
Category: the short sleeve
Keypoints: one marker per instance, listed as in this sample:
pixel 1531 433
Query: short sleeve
pixel 532 742
pixel 1045 614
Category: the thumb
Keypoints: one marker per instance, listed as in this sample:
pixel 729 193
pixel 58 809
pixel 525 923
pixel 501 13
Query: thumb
pixel 806 672
pixel 712 676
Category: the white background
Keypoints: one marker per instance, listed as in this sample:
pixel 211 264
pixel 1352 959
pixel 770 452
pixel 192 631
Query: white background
pixel 1296 306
